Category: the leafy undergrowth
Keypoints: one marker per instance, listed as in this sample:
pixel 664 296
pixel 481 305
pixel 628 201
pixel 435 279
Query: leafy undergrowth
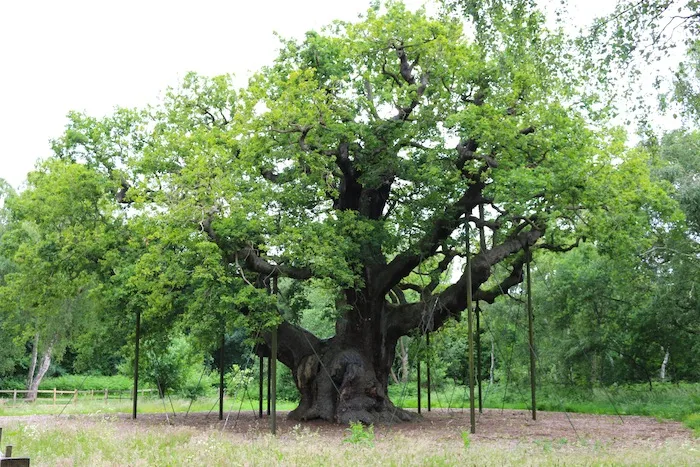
pixel 80 382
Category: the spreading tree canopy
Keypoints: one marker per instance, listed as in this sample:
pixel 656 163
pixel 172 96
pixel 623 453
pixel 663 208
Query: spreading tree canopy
pixel 356 160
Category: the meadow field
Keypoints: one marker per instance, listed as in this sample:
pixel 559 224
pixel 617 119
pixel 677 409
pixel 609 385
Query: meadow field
pixel 504 437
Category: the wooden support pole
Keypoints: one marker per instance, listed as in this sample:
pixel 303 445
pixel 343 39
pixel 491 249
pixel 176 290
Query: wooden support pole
pixel 470 331
pixel 260 386
pixel 269 384
pixel 418 382
pixel 478 355
pixel 221 377
pixel 531 335
pixel 273 392
pixel 427 365
pixel 136 363
pixel 482 248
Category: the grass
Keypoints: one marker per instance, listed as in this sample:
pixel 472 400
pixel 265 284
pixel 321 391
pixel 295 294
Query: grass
pixel 145 405
pixel 679 402
pixel 96 441
pixel 102 440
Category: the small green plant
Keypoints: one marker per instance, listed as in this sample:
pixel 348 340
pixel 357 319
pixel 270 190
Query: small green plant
pixel 466 439
pixel 360 434
pixel 545 444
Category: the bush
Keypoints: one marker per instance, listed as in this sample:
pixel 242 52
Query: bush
pixel 87 383
pixel 237 380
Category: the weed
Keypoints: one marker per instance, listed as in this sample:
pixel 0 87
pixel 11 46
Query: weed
pixel 466 439
pixel 359 434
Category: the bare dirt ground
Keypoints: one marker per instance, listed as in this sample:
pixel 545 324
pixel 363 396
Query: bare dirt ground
pixel 503 426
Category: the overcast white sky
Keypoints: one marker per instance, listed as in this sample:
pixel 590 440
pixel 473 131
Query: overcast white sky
pixel 94 55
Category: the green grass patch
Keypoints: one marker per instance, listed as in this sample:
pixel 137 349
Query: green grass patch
pixel 679 402
pixel 146 405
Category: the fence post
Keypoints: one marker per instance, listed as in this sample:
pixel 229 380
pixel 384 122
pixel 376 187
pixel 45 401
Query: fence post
pixel 54 396
pixel 106 394
pixel 75 396
pixel 14 397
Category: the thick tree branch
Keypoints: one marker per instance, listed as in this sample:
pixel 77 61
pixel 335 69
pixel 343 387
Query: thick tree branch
pixel 444 224
pixel 294 344
pixel 432 313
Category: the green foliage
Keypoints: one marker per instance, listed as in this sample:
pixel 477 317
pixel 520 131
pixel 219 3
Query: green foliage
pixel 286 389
pixel 175 366
pixel 693 422
pixel 686 89
pixel 57 231
pixel 87 382
pixel 359 434
pixel 239 381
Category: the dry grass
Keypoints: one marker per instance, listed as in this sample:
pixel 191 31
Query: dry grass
pixel 112 440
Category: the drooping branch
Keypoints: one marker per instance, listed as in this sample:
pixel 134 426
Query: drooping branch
pixel 250 258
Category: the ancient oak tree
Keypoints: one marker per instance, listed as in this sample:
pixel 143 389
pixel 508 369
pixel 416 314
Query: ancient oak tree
pixel 356 159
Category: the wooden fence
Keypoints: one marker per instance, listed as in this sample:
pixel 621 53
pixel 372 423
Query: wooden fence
pixel 53 395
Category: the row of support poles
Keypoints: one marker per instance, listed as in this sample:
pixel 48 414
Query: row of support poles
pixel 261 384
pixel 271 377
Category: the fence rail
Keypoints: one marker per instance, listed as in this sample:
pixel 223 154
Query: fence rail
pixel 56 394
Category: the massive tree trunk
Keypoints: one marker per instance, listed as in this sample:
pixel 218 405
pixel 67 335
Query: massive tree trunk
pixel 344 378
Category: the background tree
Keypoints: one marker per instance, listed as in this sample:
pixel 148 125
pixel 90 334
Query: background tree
pixel 57 232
